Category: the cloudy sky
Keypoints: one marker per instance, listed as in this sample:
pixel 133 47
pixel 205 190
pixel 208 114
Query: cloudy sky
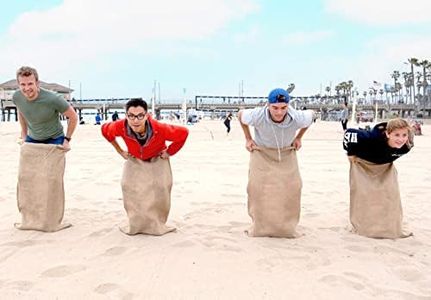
pixel 113 48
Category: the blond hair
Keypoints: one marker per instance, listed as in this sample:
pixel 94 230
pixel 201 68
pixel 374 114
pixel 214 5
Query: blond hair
pixel 27 71
pixel 397 123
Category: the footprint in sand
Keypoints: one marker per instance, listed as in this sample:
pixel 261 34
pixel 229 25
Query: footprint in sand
pixel 184 244
pixel 335 280
pixel 21 285
pixel 409 274
pixel 115 251
pixel 333 228
pixel 62 271
pixel 27 243
pixel 100 232
pixel 113 290
pixel 221 243
pixel 356 248
pixel 106 288
pixel 238 224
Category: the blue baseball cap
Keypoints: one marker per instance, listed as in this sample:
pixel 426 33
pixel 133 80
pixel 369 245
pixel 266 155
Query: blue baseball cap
pixel 278 96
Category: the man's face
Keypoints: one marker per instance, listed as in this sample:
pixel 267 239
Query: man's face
pixel 29 86
pixel 278 111
pixel 136 118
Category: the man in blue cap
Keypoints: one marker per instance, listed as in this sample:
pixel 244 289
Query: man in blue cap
pixel 276 124
pixel 274 185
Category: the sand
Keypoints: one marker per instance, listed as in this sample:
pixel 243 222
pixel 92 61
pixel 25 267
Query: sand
pixel 209 256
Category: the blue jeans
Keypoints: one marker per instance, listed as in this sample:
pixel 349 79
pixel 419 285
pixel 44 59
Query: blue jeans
pixel 56 141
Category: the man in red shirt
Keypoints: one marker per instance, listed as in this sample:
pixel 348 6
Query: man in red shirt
pixel 147 176
pixel 144 136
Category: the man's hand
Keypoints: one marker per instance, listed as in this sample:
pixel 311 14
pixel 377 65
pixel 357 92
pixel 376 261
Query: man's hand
pixel 66 145
pixel 250 145
pixel 124 154
pixel 297 144
pixel 164 154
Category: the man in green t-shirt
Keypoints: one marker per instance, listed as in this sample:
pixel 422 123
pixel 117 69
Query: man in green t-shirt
pixel 39 111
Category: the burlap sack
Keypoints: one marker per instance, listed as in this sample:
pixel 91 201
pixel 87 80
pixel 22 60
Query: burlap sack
pixel 274 193
pixel 40 191
pixel 375 202
pixel 147 196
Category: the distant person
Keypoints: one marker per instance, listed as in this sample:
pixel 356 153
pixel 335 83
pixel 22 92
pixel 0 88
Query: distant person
pixel 344 116
pixel 227 122
pixel 375 202
pixel 190 120
pixel 98 119
pixel 40 190
pixel 274 181
pixel 115 116
pixel 81 121
pixel 147 176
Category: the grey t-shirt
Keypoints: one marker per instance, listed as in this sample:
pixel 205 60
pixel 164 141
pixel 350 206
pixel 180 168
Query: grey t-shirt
pixel 42 114
pixel 269 134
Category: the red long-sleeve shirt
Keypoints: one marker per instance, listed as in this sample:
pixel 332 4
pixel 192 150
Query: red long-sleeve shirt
pixel 157 143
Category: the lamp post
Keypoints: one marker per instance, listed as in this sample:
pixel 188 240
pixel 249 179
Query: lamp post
pixel 153 100
pixel 184 106
pixel 1 106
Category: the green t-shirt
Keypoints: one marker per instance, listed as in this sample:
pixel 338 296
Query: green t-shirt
pixel 42 114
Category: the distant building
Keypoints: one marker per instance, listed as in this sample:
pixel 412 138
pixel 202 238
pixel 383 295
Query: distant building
pixel 9 87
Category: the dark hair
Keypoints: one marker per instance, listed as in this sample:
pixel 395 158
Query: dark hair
pixel 135 102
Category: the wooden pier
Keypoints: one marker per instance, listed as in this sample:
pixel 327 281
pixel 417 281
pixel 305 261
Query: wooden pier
pixel 107 106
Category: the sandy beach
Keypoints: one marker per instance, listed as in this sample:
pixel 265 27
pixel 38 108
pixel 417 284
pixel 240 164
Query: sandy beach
pixel 210 256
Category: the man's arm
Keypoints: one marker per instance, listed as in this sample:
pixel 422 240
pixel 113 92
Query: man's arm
pixel 120 151
pixel 23 124
pixel 70 113
pixel 250 145
pixel 177 135
pixel 297 142
pixel 110 131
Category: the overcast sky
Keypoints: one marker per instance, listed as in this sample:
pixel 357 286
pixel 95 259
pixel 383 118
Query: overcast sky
pixel 114 48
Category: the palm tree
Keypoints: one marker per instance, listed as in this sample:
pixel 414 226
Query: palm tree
pixel 407 83
pixel 419 81
pixel 349 87
pixel 424 64
pixel 381 94
pixel 413 62
pixel 395 75
pixel 429 77
pixel 328 90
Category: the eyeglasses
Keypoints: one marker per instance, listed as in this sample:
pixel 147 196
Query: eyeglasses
pixel 132 117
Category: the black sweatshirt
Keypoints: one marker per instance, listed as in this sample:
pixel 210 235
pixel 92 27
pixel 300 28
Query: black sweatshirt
pixel 372 145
